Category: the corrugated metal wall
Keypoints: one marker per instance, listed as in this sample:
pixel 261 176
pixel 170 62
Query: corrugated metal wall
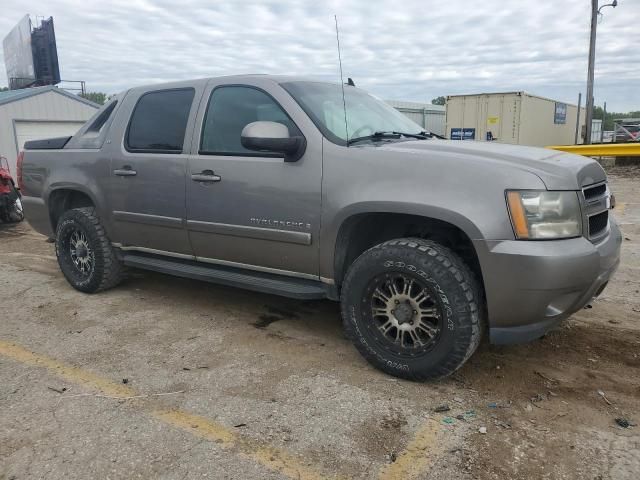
pixel 47 106
pixel 430 117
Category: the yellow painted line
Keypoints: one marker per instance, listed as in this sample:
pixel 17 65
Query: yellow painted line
pixel 419 455
pixel 199 426
pixel 270 457
pixel 631 149
pixel 72 374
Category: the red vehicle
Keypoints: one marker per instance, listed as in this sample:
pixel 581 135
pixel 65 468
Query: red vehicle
pixel 10 204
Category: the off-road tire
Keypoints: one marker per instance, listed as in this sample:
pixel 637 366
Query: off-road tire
pixel 107 271
pixel 462 322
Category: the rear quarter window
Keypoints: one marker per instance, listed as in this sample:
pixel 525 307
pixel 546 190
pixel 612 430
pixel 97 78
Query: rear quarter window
pixel 101 119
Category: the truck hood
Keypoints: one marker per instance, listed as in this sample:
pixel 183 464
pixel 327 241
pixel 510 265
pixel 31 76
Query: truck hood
pixel 557 170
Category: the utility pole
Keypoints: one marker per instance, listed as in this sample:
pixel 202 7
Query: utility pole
pixel 578 117
pixel 595 11
pixel 604 119
pixel 590 74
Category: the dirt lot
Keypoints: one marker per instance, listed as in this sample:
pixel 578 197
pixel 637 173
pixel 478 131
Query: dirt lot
pixel 171 378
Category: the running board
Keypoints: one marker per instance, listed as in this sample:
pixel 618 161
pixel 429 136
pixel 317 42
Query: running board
pixel 298 288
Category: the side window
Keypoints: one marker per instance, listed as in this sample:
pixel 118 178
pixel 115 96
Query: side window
pixel 230 109
pixel 159 121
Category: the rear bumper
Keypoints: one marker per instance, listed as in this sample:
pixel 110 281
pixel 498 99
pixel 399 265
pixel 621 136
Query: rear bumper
pixel 532 286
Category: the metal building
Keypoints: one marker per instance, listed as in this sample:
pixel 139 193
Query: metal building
pixel 430 117
pixel 37 113
pixel 513 117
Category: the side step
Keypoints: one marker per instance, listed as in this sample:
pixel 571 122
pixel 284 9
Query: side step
pixel 301 289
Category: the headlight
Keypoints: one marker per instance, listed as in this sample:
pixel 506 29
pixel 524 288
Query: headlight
pixel 544 215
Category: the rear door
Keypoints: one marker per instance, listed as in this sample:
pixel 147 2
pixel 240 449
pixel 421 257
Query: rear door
pixel 255 211
pixel 147 194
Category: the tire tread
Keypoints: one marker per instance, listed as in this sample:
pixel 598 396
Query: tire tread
pixel 451 262
pixel 112 270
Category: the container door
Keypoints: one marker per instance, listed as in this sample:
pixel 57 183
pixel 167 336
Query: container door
pixel 494 118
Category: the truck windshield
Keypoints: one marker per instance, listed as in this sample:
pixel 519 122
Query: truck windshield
pixel 366 115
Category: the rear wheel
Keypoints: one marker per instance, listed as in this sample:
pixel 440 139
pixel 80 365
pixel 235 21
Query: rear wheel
pixel 85 255
pixel 411 307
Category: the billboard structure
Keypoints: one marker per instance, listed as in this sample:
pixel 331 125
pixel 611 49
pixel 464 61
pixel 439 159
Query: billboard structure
pixel 18 57
pixel 45 53
pixel 31 55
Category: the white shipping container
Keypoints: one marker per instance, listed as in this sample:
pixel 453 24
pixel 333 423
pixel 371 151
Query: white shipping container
pixel 513 117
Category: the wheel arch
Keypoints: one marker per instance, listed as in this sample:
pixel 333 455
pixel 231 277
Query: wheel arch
pixel 361 230
pixel 67 197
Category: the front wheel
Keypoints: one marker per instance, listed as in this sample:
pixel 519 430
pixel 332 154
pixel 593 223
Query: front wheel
pixel 85 255
pixel 412 309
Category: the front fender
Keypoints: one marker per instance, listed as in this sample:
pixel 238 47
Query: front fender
pixel 332 231
pixel 427 211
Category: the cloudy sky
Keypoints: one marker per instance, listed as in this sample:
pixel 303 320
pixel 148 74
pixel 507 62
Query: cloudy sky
pixel 402 49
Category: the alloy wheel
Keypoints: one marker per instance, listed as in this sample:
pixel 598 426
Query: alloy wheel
pixel 406 312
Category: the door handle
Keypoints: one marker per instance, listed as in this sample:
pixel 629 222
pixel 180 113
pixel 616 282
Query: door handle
pixel 125 171
pixel 205 176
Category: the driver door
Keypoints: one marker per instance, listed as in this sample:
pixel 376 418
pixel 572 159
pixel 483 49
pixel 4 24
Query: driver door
pixel 252 209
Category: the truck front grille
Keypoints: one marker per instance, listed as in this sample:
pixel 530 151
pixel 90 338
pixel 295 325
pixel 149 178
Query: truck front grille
pixel 596 210
pixel 595 192
pixel 598 223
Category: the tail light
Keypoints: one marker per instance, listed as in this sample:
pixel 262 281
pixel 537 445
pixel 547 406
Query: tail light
pixel 19 171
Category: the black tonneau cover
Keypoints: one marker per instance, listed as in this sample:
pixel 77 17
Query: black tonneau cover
pixel 47 144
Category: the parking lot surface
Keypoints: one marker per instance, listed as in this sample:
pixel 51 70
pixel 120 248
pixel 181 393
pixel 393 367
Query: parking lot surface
pixel 171 378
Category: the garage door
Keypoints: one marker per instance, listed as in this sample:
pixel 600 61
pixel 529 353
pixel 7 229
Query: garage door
pixel 30 130
pixel 26 130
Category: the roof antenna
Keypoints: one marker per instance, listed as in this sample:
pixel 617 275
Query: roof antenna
pixel 344 103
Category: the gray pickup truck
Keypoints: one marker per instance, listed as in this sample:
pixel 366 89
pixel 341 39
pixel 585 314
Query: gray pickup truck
pixel 276 184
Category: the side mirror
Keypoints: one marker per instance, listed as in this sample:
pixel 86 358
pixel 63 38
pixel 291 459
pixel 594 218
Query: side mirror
pixel 273 137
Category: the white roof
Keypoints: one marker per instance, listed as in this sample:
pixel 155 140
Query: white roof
pixel 9 96
pixel 416 105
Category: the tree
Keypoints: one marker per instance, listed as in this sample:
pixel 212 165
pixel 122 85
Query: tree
pixel 598 113
pixel 439 101
pixel 4 89
pixel 95 97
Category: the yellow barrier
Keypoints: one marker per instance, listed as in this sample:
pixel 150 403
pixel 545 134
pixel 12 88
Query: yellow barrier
pixel 602 150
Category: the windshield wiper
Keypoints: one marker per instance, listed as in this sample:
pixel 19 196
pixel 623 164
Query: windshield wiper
pixel 432 135
pixel 395 135
pixel 389 134
pixel 419 135
pixel 374 136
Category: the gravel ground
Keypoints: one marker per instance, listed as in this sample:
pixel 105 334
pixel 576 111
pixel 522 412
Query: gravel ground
pixel 170 378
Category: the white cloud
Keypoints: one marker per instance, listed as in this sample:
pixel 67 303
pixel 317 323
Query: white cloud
pixel 410 50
